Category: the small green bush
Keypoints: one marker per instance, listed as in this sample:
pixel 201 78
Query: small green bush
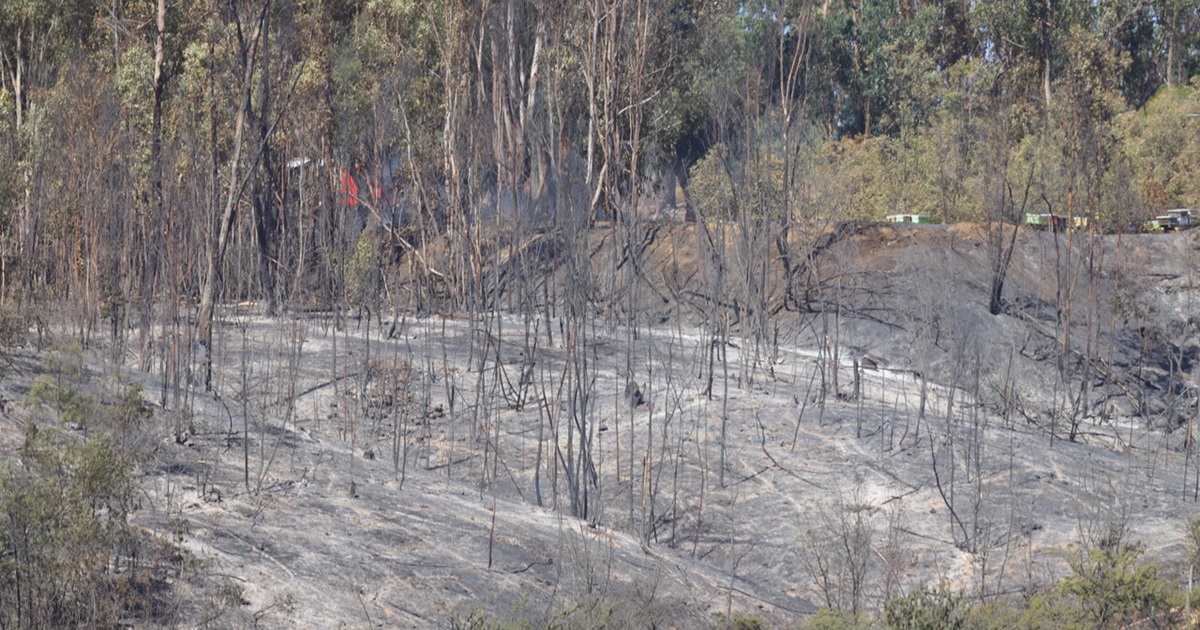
pixel 1111 588
pixel 1192 530
pixel 70 557
pixel 79 410
pixel 829 619
pixel 993 616
pixel 926 608
pixel 740 622
pixel 365 270
pixel 65 505
pixel 74 409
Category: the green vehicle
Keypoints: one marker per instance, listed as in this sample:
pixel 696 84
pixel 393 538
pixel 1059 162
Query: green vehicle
pixel 909 218
pixel 1046 222
pixel 1154 226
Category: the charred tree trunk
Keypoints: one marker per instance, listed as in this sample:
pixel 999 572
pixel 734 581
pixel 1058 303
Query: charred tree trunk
pixel 265 184
pixel 152 238
pixel 216 254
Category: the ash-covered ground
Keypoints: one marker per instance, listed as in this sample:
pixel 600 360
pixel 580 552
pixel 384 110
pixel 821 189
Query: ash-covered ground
pixel 699 438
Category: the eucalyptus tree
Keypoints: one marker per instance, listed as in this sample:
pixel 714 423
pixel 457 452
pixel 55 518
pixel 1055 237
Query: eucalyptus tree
pixel 35 39
pixel 1179 32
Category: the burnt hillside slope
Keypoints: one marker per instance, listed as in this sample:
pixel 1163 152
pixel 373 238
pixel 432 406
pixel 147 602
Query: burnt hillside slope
pixel 656 429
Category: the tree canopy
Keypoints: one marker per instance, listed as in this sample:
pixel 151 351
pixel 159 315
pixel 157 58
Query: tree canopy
pixel 119 123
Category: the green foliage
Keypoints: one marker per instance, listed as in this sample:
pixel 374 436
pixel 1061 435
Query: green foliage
pixel 475 619
pixel 353 91
pixel 59 389
pixel 64 505
pixel 134 82
pixel 70 555
pixel 8 102
pixel 127 412
pixel 994 616
pixel 375 67
pixel 724 186
pixel 54 28
pixel 1110 588
pixel 740 622
pixel 829 111
pixel 590 612
pixel 1192 531
pixel 74 408
pixel 365 270
pixel 859 181
pixel 829 619
pixel 9 189
pixel 1107 588
pixel 712 189
pixel 64 390
pixel 1162 141
pixel 925 608
pixel 1050 611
